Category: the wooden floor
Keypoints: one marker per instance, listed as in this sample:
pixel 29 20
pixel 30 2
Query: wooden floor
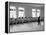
pixel 27 27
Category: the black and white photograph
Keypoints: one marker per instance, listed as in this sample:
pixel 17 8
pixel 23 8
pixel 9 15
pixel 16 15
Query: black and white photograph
pixel 24 17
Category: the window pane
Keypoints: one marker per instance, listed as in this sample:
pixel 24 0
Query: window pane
pixel 20 8
pixel 13 12
pixel 21 12
pixel 12 7
pixel 33 12
pixel 38 12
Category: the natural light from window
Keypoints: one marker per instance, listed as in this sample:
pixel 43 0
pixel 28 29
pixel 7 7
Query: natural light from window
pixel 21 12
